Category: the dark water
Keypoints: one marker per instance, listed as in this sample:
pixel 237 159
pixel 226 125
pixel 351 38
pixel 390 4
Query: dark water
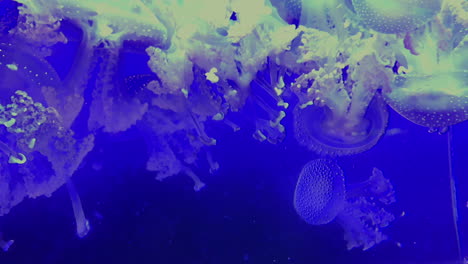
pixel 245 212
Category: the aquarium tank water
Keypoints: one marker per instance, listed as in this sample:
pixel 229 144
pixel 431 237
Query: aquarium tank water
pixel 233 131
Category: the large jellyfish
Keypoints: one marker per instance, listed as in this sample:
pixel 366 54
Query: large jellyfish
pixel 431 88
pixel 340 109
pixel 38 151
pixel 321 197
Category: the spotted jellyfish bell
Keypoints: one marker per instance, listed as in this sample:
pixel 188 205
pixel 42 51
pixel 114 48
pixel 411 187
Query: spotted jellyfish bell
pixel 432 89
pixel 395 16
pixel 321 197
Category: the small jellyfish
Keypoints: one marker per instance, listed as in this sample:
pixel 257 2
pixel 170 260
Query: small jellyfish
pixel 395 16
pixel 320 192
pixel 323 131
pixel 321 197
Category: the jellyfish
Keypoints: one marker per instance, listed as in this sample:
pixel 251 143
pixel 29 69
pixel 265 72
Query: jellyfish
pixel 321 131
pixel 395 16
pixel 431 83
pixel 340 109
pixel 38 155
pixel 321 197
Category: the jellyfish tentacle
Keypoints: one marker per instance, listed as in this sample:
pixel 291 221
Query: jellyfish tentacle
pixel 82 224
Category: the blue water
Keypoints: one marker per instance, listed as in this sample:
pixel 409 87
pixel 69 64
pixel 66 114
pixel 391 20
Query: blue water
pixel 245 213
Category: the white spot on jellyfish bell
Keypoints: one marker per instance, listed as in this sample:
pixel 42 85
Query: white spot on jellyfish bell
pixel 435 101
pixel 395 16
pixel 320 192
pixel 320 197
pixel 21 69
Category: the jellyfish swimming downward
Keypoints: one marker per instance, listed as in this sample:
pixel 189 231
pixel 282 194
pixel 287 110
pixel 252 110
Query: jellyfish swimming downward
pixel 321 196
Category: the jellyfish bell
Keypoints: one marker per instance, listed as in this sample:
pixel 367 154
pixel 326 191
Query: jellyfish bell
pixel 395 16
pixel 320 192
pixel 321 196
pixel 318 129
pixel 431 90
pixel 289 10
pixel 20 69
pixel 435 101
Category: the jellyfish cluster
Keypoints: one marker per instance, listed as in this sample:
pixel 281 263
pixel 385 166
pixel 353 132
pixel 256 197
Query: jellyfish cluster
pixel 333 66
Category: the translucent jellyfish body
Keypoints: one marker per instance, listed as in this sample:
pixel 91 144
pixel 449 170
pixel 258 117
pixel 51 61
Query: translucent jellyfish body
pixel 431 88
pixel 21 69
pixel 321 197
pixel 395 16
pixel 38 154
pixel 434 101
pixel 320 130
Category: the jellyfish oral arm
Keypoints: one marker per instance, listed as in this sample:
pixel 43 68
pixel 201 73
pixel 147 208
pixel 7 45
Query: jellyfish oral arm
pixel 82 224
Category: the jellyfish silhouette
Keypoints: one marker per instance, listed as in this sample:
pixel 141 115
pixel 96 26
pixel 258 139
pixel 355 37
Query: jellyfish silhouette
pixel 321 197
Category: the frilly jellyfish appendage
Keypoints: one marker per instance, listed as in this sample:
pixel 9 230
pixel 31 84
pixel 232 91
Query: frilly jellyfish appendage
pixel 321 197
pixel 82 224
pixel 431 88
pixel 395 16
pixel 110 109
pixel 320 130
pixel 320 192
pixel 340 109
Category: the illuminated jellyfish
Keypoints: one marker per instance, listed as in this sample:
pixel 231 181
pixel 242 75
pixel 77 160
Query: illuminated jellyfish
pixel 340 75
pixel 431 85
pixel 321 197
pixel 340 109
pixel 38 155
pixel 395 16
